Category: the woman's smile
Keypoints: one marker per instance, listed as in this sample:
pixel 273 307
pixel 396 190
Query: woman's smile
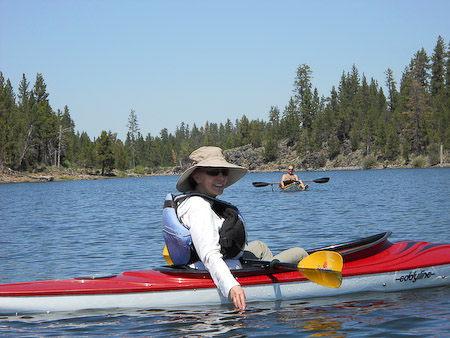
pixel 210 182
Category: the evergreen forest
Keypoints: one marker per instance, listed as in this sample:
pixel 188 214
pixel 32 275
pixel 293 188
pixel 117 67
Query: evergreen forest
pixel 410 118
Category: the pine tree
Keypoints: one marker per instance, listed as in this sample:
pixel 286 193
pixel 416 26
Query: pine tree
pixel 419 102
pixel 303 96
pixel 9 128
pixel 43 123
pixel 120 156
pixel 105 153
pixel 440 98
pixel 392 147
pixel 274 120
pixel 256 133
pixel 392 90
pixel 243 131
pixel 270 149
pixel 437 68
pixel 66 137
pixel 133 130
pixel 87 155
pixel 290 122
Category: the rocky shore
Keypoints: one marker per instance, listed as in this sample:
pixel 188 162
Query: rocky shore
pixel 246 156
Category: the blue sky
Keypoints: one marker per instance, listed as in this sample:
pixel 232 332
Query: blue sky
pixel 198 61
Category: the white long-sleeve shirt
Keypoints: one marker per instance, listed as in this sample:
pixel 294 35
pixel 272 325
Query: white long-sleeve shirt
pixel 205 224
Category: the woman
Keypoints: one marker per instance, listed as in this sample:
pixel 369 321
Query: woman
pixel 209 175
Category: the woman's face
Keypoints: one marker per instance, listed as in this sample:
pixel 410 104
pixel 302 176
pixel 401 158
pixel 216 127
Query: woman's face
pixel 210 181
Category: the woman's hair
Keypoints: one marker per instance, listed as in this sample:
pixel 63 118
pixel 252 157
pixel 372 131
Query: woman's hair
pixel 191 180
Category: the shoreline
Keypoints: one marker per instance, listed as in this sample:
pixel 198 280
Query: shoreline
pixel 59 176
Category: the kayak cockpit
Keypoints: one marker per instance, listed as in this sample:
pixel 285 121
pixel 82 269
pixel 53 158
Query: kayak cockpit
pixel 359 248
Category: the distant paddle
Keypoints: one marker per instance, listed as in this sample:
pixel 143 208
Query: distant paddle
pixel 320 180
pixel 261 184
pixel 264 184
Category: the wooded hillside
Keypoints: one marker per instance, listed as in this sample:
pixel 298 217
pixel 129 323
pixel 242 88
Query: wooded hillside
pixel 409 119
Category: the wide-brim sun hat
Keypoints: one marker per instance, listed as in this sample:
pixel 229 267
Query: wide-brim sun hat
pixel 209 157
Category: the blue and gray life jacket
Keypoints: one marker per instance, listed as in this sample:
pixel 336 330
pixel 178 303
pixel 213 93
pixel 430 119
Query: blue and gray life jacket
pixel 178 237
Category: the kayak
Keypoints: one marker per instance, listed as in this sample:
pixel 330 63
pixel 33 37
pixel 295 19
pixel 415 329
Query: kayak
pixel 369 264
pixel 293 187
pixel 290 185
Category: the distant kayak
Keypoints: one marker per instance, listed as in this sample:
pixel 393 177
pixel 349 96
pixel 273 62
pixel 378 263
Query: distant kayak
pixel 290 186
pixel 293 187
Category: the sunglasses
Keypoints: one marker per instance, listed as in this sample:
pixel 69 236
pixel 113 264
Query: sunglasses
pixel 290 169
pixel 216 172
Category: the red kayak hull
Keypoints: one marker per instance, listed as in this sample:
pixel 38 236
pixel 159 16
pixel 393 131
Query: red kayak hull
pixel 408 265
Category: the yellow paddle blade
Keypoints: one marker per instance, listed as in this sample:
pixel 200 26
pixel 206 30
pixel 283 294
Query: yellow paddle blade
pixel 323 267
pixel 322 260
pixel 331 279
pixel 166 255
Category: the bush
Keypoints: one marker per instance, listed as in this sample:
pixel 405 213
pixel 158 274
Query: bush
pixel 370 162
pixel 68 164
pixel 434 159
pixel 140 170
pixel 419 162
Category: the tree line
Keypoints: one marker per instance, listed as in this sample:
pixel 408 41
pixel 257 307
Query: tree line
pixel 411 118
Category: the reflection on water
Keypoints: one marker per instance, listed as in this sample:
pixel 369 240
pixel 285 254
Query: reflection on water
pixel 422 312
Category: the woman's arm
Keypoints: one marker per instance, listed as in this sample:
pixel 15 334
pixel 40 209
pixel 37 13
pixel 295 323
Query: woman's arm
pixel 204 224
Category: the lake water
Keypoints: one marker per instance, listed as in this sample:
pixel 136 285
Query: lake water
pixel 58 230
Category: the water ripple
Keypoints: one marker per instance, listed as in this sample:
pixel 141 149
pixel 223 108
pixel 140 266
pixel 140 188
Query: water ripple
pixel 65 229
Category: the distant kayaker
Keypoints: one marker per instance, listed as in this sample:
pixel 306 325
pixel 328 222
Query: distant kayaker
pixel 289 177
pixel 217 229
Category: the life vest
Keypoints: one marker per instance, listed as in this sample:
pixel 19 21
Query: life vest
pixel 178 237
pixel 289 182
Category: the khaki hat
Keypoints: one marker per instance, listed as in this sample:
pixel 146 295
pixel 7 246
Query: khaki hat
pixel 212 157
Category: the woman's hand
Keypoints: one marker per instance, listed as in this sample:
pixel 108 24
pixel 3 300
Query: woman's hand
pixel 237 295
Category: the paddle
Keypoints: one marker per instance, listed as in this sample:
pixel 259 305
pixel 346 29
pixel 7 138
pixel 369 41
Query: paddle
pixel 321 267
pixel 166 255
pixel 320 180
pixel 261 184
pixel 264 184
